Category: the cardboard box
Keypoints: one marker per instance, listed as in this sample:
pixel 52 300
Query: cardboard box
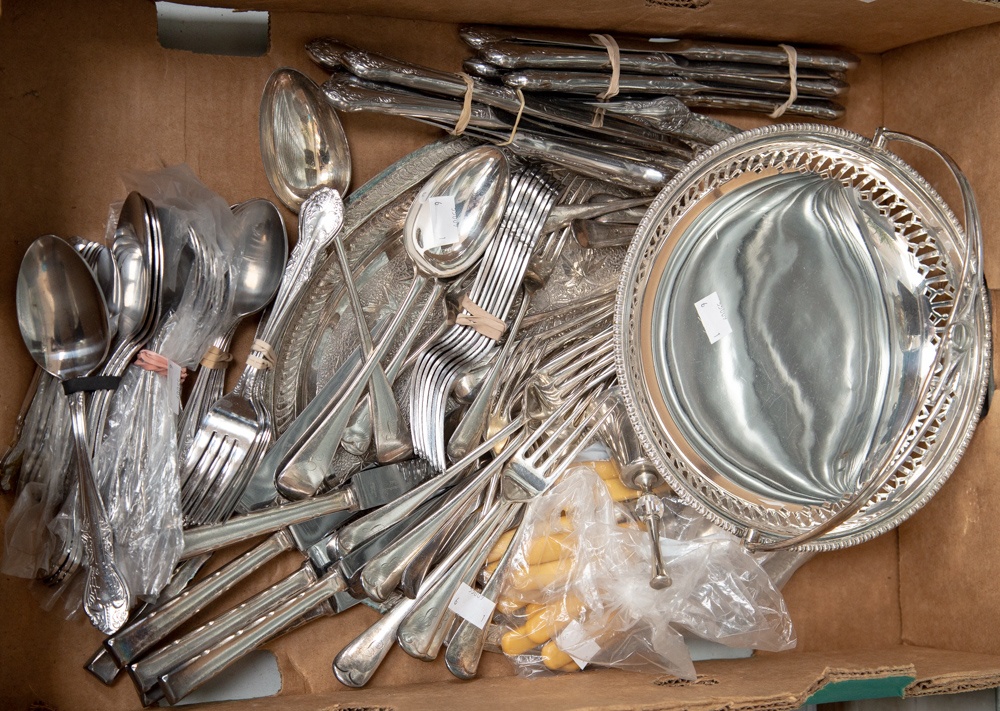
pixel 87 92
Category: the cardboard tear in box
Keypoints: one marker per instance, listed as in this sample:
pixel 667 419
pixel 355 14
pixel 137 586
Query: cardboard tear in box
pixel 87 92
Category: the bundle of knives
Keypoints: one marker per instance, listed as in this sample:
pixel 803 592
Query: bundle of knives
pixel 639 156
pixel 703 74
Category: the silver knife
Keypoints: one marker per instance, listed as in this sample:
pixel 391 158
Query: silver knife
pixel 146 672
pixel 512 55
pixel 477 36
pixel 235 633
pixel 367 489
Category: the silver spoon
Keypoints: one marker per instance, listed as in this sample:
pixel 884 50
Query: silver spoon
pixel 476 185
pixel 302 142
pixel 64 324
pixel 304 148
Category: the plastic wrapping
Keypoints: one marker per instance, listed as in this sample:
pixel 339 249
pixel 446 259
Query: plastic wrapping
pixel 136 464
pixel 44 452
pixel 579 582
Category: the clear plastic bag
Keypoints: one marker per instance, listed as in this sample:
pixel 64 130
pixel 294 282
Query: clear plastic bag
pixel 579 581
pixel 45 453
pixel 136 464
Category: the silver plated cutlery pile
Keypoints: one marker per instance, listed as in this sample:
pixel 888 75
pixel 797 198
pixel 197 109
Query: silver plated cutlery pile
pixel 439 348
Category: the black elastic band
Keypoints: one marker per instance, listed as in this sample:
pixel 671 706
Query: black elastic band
pixel 89 385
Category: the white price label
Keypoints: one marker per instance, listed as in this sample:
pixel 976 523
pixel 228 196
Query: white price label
pixel 444 222
pixel 471 606
pixel 713 317
pixel 578 644
pixel 174 387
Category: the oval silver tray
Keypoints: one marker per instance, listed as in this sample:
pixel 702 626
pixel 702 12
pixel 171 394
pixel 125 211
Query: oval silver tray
pixel 780 314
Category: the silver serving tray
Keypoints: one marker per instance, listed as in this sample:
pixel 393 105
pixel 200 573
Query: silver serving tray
pixel 781 308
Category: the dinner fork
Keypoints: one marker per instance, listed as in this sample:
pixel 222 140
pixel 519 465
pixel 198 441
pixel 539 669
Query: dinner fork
pixel 238 428
pixel 421 624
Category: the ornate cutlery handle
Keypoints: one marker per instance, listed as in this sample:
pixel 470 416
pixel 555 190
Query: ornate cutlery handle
pixel 147 671
pixel 106 599
pixel 214 536
pixel 178 684
pixel 135 639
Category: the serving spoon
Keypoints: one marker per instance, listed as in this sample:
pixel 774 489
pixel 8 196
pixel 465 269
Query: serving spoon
pixel 64 323
pixel 304 148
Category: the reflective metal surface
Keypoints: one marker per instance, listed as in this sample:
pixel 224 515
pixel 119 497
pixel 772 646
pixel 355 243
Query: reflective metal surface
pixel 61 309
pixel 302 142
pixel 789 404
pixel 831 268
pixel 477 182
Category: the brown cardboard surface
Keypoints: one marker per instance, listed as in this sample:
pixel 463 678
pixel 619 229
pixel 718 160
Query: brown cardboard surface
pixel 949 597
pixel 780 682
pixel 863 27
pixel 86 92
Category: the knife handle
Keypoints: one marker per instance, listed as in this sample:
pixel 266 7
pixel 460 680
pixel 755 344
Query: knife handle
pixel 178 684
pixel 591 234
pixel 214 536
pixel 383 572
pixel 147 671
pixel 102 664
pixel 370 525
pixel 643 177
pixel 127 644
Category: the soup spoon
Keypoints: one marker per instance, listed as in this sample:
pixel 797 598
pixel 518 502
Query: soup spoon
pixel 64 323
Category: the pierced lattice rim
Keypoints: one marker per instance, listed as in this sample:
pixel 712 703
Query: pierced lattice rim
pixel 902 495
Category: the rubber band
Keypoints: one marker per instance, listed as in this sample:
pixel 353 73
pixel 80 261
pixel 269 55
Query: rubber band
pixel 156 363
pixel 517 120
pixel 793 77
pixel 614 54
pixel 463 118
pixel 215 359
pixel 480 319
pixel 267 358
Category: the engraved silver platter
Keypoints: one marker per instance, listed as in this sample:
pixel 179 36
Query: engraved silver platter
pixel 802 335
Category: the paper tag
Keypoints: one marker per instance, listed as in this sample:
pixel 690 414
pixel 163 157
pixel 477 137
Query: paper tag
pixel 444 223
pixel 578 644
pixel 174 386
pixel 713 317
pixel 471 606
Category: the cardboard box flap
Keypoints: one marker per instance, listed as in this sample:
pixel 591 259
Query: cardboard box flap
pixel 770 682
pixel 860 26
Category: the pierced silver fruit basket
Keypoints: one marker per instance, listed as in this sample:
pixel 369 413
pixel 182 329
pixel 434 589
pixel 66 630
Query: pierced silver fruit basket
pixel 802 335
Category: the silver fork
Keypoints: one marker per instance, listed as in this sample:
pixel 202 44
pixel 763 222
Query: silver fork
pixel 420 625
pixel 238 427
